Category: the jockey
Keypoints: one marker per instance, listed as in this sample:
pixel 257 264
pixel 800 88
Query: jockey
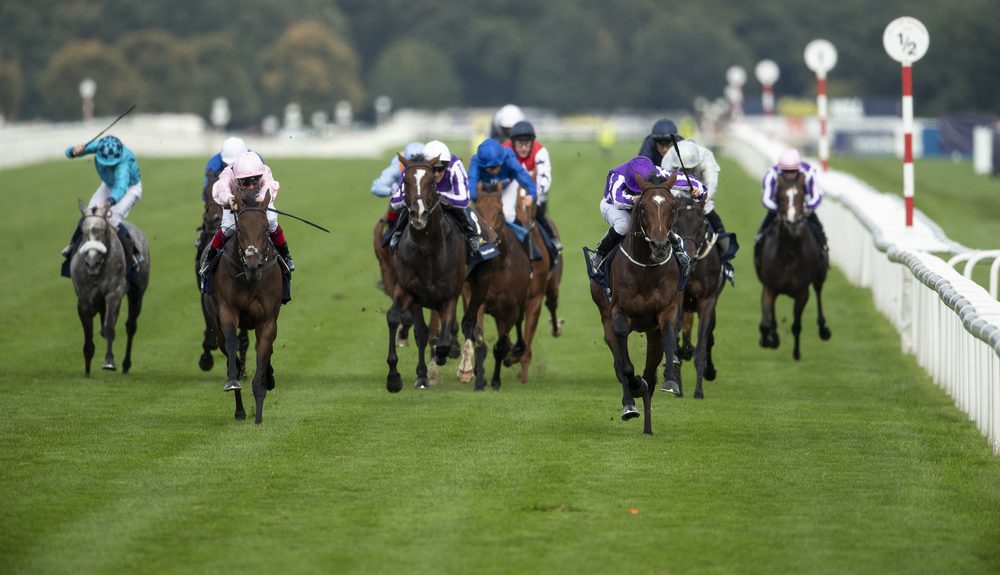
pixel 504 120
pixel 494 164
pixel 659 140
pixel 452 185
pixel 788 168
pixel 534 158
pixel 232 147
pixel 246 174
pixel 700 162
pixel 620 192
pixel 121 186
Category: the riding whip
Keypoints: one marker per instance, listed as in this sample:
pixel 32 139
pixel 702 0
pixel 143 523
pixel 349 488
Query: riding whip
pixel 123 114
pixel 277 211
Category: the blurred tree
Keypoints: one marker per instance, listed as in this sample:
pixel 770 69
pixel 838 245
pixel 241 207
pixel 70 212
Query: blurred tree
pixel 223 74
pixel 416 74
pixel 166 66
pixel 311 66
pixel 10 88
pixel 117 85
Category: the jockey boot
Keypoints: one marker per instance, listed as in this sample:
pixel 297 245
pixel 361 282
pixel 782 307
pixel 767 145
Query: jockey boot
pixel 683 260
pixel 726 244
pixel 131 250
pixel 597 258
pixel 397 231
pixel 209 261
pixel 469 223
pixel 542 217
pixel 283 252
pixel 70 249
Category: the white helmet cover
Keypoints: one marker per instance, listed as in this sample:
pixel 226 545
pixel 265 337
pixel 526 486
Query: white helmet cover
pixel 436 148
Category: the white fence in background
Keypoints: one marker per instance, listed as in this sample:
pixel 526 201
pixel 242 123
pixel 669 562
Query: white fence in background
pixel 948 322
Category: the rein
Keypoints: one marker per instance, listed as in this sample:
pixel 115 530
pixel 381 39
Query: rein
pixel 645 236
pixel 267 260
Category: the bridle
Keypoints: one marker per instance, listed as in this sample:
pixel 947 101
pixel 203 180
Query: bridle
pixel 790 194
pixel 434 200
pixel 268 258
pixel 640 210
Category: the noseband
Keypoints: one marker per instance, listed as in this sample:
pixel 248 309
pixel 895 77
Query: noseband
pixel 267 261
pixel 645 235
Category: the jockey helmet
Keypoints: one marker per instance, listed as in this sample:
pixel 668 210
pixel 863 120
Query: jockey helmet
pixel 638 165
pixel 664 129
pixel 688 156
pixel 248 165
pixel 522 130
pixel 231 149
pixel 509 115
pixel 109 151
pixel 490 153
pixel 790 159
pixel 437 149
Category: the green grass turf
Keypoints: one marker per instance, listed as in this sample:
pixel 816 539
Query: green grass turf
pixel 849 461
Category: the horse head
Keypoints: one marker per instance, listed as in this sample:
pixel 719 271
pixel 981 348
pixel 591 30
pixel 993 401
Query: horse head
pixel 690 223
pixel 653 213
pixel 791 200
pixel 420 189
pixel 96 237
pixel 489 206
pixel 253 241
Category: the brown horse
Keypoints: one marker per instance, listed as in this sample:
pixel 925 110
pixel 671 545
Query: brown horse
pixel 788 260
pixel 429 265
pixel 704 286
pixel 247 294
pixel 98 273
pixel 211 218
pixel 545 279
pixel 644 297
pixel 506 279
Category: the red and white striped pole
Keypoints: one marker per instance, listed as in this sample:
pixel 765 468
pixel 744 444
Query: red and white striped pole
pixel 908 143
pixel 906 41
pixel 821 57
pixel 767 73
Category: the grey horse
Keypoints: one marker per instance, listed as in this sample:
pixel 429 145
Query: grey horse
pixel 98 273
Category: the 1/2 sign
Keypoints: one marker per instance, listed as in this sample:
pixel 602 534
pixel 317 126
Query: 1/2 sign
pixel 906 40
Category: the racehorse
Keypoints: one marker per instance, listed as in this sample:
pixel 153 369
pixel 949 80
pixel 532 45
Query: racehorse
pixel 545 278
pixel 788 260
pixel 98 271
pixel 247 293
pixel 644 296
pixel 507 279
pixel 429 264
pixel 211 217
pixel 701 295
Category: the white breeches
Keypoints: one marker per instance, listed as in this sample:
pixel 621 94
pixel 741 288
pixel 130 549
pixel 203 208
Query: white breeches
pixel 619 219
pixel 120 210
pixel 228 224
pixel 509 200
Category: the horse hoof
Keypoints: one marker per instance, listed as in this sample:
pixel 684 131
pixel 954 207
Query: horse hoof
pixel 421 383
pixel 206 361
pixel 686 352
pixel 824 333
pixel 796 355
pixel 232 385
pixel 629 412
pixel 710 373
pixel 394 384
pixel 671 387
pixel 557 327
pixel 109 366
pixel 240 415
pixel 464 376
pixel 699 394
pixel 126 366
pixel 495 385
pixel 455 352
pixel 402 343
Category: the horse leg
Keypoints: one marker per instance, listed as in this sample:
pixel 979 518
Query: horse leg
pixel 403 339
pixel 653 355
pixel 446 318
pixel 824 332
pixel 206 361
pixel 266 332
pixel 230 323
pixel 631 385
pixel 422 333
pixel 131 323
pixel 768 326
pixel 517 350
pixel 800 304
pixel 244 346
pixel 667 321
pixel 87 321
pixel 686 350
pixel 112 305
pixel 500 349
pixel 393 381
pixel 710 372
pixel 552 303
pixel 532 315
pixel 706 320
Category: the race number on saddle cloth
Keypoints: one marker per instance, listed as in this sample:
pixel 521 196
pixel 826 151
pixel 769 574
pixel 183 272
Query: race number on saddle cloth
pixel 121 187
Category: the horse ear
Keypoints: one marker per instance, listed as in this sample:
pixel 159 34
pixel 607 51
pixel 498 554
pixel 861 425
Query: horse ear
pixel 671 180
pixel 434 160
pixel 402 159
pixel 83 210
pixel 641 181
pixel 267 198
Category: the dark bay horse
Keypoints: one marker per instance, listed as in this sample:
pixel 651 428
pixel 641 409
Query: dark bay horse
pixel 704 286
pixel 544 287
pixel 788 260
pixel 211 217
pixel 247 295
pixel 506 280
pixel 98 273
pixel 643 280
pixel 429 265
